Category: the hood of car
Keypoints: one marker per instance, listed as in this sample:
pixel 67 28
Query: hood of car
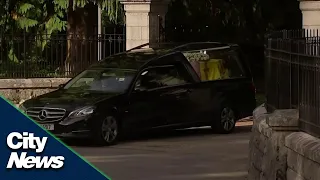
pixel 67 100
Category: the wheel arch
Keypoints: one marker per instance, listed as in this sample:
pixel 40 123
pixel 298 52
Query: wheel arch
pixel 110 111
pixel 222 97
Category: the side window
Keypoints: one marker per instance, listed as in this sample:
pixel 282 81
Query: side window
pixel 182 70
pixel 234 65
pixel 161 76
pixel 222 64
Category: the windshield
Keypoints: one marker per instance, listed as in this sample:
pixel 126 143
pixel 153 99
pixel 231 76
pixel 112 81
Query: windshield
pixel 102 80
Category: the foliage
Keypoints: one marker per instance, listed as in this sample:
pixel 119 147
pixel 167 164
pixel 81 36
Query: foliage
pixel 245 22
pixel 196 56
pixel 112 9
pixel 111 18
pixel 47 16
pixel 234 20
pixel 39 20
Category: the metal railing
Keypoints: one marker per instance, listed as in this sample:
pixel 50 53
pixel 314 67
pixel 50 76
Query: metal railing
pixel 292 71
pixel 27 55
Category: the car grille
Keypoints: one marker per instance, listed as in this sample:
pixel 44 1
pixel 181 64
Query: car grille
pixel 44 114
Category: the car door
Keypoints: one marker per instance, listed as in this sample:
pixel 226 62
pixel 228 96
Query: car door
pixel 234 84
pixel 197 104
pixel 199 107
pixel 151 101
pixel 147 109
pixel 178 84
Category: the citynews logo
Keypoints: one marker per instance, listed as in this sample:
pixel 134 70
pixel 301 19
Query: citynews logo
pixel 27 141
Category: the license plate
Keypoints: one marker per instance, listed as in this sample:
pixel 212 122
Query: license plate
pixel 48 126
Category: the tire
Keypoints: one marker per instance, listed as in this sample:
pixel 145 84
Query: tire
pixel 107 131
pixel 224 120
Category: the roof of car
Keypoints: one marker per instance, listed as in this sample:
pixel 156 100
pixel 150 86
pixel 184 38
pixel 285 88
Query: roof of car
pixel 136 57
pixel 129 60
pixel 179 46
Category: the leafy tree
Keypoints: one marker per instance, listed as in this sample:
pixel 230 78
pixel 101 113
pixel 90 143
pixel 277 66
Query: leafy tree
pixel 233 20
pixel 82 24
pixel 236 20
pixel 40 19
pixel 26 26
pixel 245 22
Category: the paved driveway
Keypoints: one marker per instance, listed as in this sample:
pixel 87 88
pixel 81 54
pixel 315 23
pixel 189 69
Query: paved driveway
pixel 193 154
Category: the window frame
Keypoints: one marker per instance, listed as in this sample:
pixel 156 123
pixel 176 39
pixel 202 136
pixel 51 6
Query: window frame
pixel 75 79
pixel 158 88
pixel 231 55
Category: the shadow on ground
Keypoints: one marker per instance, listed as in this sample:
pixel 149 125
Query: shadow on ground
pixel 154 135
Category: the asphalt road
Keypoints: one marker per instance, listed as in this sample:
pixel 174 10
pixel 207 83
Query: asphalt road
pixel 192 154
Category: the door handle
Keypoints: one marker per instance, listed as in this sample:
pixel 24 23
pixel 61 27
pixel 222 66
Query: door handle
pixel 186 92
pixel 180 93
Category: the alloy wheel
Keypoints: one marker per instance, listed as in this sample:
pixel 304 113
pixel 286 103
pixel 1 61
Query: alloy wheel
pixel 227 119
pixel 109 129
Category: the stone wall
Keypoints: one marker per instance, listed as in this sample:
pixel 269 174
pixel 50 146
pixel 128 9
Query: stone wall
pixel 303 156
pixel 19 90
pixel 278 151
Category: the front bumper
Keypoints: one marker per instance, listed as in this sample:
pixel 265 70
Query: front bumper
pixel 65 128
pixel 74 134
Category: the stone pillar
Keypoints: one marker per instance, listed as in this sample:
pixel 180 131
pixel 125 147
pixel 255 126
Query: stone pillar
pixel 282 123
pixel 268 154
pixel 142 21
pixel 310 14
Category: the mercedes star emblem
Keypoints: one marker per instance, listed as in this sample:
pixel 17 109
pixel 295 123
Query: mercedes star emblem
pixel 42 114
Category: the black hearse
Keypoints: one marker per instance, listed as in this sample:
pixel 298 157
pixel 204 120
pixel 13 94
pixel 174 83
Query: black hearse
pixel 149 88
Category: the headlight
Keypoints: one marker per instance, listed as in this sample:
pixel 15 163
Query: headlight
pixel 85 111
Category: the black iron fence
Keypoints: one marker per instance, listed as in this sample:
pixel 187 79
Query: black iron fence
pixel 293 75
pixel 27 55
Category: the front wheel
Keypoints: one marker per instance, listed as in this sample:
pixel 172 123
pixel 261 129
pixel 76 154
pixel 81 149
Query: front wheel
pixel 224 120
pixel 106 132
